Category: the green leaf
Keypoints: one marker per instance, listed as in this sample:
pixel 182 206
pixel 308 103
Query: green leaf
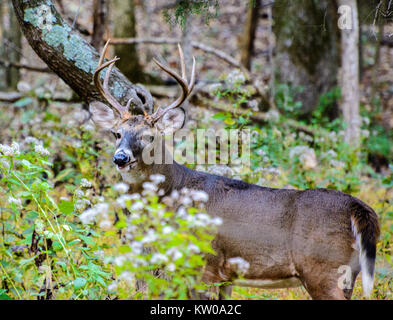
pixel 221 115
pixel 66 207
pixel 79 283
pixel 65 174
pixel 23 102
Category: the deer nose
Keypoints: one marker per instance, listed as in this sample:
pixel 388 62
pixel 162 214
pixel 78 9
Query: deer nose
pixel 121 158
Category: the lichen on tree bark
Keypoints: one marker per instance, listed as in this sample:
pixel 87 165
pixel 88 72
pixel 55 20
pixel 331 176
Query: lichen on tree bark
pixel 70 56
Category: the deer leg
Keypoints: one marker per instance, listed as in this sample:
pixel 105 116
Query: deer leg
pixel 225 292
pixel 326 286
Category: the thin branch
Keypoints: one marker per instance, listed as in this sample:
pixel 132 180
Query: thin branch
pixel 7 63
pixel 218 53
pixel 14 96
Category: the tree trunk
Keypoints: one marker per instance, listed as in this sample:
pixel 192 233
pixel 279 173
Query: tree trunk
pixel 99 23
pixel 307 47
pixel 124 24
pixel 10 50
pixel 72 58
pixel 249 31
pixel 2 47
pixel 350 74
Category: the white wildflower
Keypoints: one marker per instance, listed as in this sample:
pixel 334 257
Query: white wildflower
pixel 221 170
pixel 217 221
pixel 137 206
pixel 121 187
pixel 112 286
pixel 253 104
pixel 274 171
pixel 122 200
pixel 186 201
pixel 157 178
pixel 167 230
pixel 41 150
pixel 241 265
pixel 119 261
pixel 331 153
pixel 182 212
pixel 158 258
pixel 175 194
pixel 79 193
pixel 150 237
pixel 88 127
pixel 365 133
pixel 88 216
pixel 85 183
pixel 126 276
pixel 235 77
pixel 272 115
pixel 337 164
pixel 80 205
pixel 150 187
pixel 171 267
pixel 202 219
pixel 10 151
pixel 174 253
pixel 136 247
pixel 306 156
pixel 4 163
pixel 194 248
pixel 102 208
pixel 105 224
pixel 17 202
pixel 32 140
pixel 199 195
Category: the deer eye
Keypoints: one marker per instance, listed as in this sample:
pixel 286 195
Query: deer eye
pixel 116 134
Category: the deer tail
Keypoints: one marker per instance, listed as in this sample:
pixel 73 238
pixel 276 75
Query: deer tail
pixel 365 228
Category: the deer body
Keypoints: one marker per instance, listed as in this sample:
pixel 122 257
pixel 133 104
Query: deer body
pixel 289 237
pixel 319 238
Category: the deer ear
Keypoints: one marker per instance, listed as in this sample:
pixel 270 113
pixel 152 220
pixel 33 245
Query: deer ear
pixel 102 115
pixel 171 121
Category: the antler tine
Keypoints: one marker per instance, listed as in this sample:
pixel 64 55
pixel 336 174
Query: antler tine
pixel 182 63
pixel 182 80
pixel 103 89
pixel 192 81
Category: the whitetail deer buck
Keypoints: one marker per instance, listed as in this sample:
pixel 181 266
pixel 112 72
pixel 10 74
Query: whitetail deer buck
pixel 288 237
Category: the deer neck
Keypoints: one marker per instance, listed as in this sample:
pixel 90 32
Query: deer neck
pixel 176 176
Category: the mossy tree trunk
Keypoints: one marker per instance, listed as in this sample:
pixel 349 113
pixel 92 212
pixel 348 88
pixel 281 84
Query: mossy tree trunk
pixel 71 57
pixel 307 47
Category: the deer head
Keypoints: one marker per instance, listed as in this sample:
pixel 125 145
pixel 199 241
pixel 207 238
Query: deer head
pixel 135 132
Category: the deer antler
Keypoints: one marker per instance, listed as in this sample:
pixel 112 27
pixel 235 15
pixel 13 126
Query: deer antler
pixel 182 80
pixel 104 90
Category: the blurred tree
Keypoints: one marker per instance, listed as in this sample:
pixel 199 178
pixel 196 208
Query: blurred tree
pixel 2 53
pixel 124 25
pixel 100 13
pixel 307 47
pixel 350 70
pixel 10 50
pixel 249 31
